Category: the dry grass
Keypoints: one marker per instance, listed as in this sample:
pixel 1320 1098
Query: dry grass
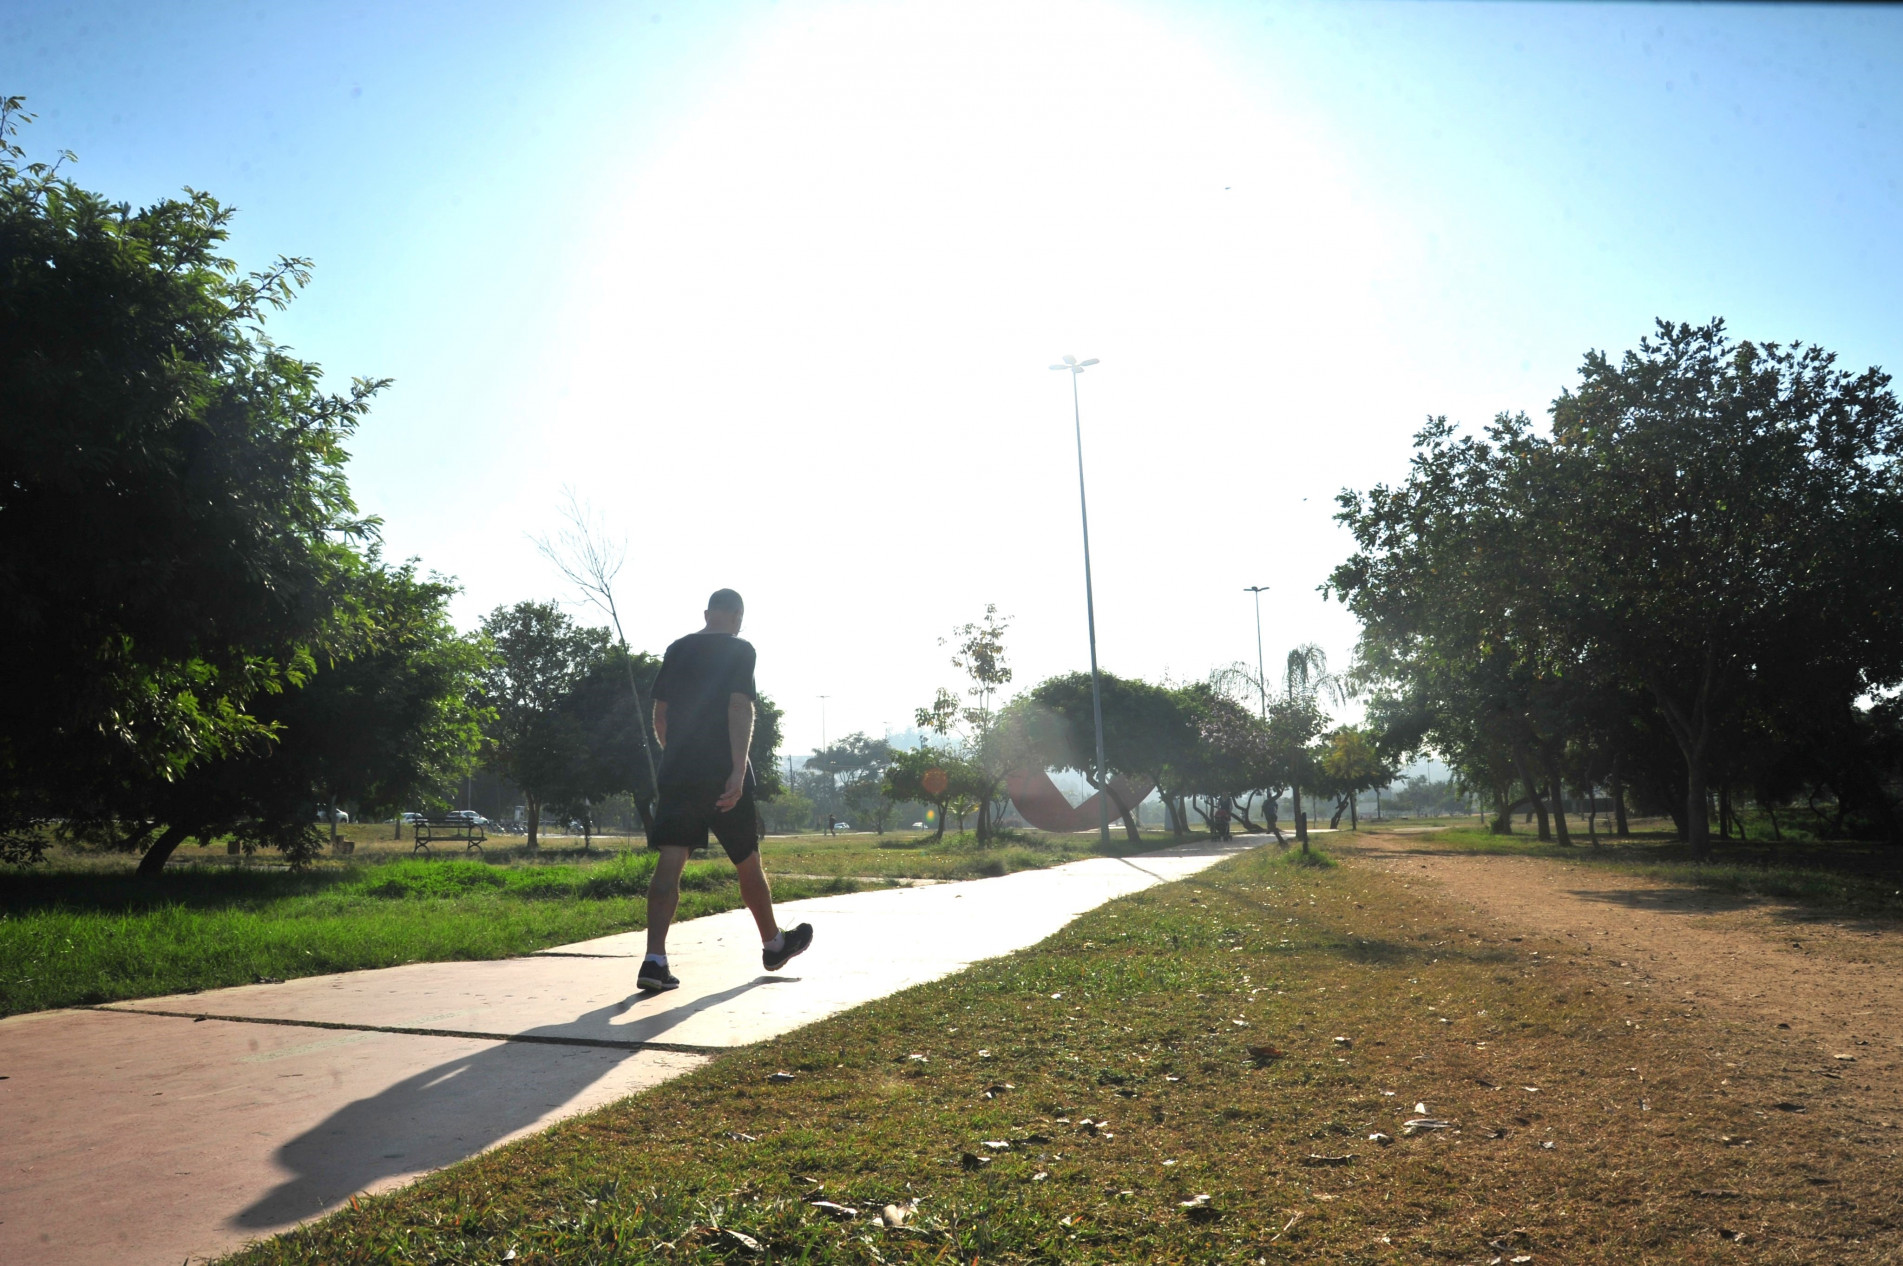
pixel 1592 1124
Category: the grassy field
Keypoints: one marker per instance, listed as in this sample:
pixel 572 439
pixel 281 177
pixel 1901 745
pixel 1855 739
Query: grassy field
pixel 958 856
pixel 1854 878
pixel 86 936
pixel 1196 1073
pixel 82 929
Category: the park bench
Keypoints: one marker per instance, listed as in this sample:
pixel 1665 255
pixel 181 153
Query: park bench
pixel 442 830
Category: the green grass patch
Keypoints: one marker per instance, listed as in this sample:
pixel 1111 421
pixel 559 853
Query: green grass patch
pixel 71 936
pixel 1837 877
pixel 1192 1074
pixel 959 855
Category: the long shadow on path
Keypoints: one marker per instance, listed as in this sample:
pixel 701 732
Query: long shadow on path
pixel 458 1108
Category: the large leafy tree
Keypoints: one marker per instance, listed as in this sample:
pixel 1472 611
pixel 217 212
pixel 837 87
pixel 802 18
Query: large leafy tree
pixel 173 514
pixel 538 658
pixel 856 766
pixel 1737 509
pixel 936 777
pixel 1147 732
pixel 375 724
pixel 1350 765
pixel 1216 747
pixel 1700 549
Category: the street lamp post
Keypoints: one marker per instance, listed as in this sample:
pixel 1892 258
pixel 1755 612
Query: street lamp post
pixel 1074 367
pixel 1261 675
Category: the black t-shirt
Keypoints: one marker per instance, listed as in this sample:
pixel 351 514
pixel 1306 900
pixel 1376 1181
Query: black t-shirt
pixel 699 674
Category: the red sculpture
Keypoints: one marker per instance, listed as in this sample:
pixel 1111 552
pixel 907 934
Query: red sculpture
pixel 1040 803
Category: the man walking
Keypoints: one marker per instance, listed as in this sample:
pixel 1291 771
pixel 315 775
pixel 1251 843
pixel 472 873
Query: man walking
pixel 703 719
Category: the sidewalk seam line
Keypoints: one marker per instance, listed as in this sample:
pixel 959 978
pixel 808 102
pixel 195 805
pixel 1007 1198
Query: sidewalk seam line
pixel 541 1039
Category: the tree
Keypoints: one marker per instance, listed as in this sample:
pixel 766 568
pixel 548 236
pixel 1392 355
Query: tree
pixel 1674 585
pixel 597 725
pixel 1350 766
pixel 1731 504
pixel 375 725
pixel 174 516
pixel 1147 733
pixel 932 776
pixel 590 560
pixel 857 765
pixel 538 656
pixel 1306 681
pixel 990 755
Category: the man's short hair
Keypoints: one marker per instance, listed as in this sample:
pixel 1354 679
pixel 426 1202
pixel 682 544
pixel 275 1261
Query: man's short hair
pixel 725 600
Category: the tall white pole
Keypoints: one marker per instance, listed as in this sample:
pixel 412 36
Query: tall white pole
pixel 1090 615
pixel 1261 672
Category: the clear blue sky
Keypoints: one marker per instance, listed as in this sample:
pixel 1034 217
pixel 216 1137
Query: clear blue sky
pixel 777 284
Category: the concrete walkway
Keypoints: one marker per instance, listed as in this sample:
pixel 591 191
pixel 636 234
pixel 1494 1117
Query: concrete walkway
pixel 179 1128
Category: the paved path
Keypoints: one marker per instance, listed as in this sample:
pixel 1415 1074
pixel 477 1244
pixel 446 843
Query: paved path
pixel 179 1128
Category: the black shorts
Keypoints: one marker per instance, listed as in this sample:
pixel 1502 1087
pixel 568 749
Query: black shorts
pixel 686 813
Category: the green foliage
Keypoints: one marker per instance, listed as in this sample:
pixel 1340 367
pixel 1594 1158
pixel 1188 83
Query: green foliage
pixel 934 776
pixel 382 717
pixel 174 521
pixel 854 768
pixel 539 659
pixel 989 753
pixel 1679 583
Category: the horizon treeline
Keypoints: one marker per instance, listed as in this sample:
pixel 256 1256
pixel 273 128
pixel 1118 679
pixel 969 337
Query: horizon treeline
pixel 1687 588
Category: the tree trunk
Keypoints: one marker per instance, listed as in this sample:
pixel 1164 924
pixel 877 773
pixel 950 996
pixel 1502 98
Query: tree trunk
pixel 1697 809
pixel 641 721
pixel 1592 816
pixel 535 822
pixel 1558 789
pixel 1502 823
pixel 1301 819
pixel 1533 796
pixel 1692 730
pixel 155 857
pixel 1354 805
pixel 1616 784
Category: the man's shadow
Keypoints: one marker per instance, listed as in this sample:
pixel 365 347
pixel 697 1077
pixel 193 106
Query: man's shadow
pixel 453 1111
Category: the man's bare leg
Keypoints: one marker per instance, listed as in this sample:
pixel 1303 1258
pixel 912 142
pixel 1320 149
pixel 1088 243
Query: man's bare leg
pixel 664 897
pixel 758 895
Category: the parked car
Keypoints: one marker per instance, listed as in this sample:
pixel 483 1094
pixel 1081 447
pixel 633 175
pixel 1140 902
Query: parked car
pixel 324 811
pixel 411 819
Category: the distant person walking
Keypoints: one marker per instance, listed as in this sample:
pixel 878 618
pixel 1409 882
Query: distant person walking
pixel 832 825
pixel 703 702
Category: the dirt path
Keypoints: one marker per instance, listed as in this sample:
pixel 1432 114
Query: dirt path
pixel 1835 983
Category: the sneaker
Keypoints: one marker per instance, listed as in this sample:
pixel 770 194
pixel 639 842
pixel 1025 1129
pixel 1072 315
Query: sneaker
pixel 797 939
pixel 655 978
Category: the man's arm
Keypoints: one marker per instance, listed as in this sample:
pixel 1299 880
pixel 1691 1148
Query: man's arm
pixel 739 741
pixel 660 722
